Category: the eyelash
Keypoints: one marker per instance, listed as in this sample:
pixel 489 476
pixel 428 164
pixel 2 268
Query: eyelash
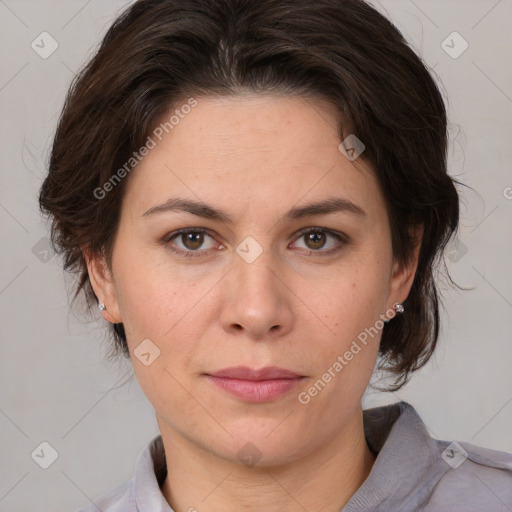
pixel 340 237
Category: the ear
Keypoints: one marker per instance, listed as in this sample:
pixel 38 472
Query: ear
pixel 103 285
pixel 403 273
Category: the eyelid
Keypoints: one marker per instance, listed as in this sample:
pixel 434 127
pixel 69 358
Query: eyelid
pixel 170 236
pixel 314 229
pixel 340 237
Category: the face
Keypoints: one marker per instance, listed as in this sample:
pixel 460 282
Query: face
pixel 221 261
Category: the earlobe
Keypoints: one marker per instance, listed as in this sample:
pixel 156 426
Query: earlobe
pixel 103 285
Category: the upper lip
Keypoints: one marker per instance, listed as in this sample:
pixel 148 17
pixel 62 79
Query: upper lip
pixel 246 373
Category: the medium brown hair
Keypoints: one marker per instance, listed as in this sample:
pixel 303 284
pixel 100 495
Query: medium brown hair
pixel 344 51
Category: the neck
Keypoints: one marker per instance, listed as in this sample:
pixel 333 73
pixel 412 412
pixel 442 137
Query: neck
pixel 322 481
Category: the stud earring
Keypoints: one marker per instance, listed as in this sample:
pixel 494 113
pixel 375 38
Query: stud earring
pixel 399 308
pixel 102 306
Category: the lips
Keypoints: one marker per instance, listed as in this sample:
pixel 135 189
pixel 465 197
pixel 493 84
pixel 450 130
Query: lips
pixel 250 385
pixel 246 373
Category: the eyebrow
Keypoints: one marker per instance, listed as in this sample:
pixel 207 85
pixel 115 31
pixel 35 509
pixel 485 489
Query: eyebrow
pixel 330 205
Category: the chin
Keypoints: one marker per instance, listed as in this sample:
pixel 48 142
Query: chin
pixel 260 443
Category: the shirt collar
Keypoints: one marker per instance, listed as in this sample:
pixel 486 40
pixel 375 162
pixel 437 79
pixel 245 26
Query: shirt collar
pixel 150 473
pixel 408 464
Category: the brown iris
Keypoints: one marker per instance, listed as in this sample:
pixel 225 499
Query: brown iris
pixel 192 240
pixel 317 238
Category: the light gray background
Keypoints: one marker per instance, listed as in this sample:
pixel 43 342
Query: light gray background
pixel 55 383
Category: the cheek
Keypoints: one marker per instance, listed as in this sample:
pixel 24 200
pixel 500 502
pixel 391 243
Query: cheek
pixel 147 304
pixel 159 309
pixel 150 294
pixel 344 358
pixel 350 303
pixel 165 305
pixel 350 298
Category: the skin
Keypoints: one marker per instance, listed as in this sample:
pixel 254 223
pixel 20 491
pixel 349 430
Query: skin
pixel 255 157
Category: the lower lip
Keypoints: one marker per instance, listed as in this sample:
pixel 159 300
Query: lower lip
pixel 256 390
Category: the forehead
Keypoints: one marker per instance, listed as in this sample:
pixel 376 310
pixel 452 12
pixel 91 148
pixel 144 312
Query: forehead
pixel 251 151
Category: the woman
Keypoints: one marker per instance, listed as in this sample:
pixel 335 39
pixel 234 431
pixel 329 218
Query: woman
pixel 255 196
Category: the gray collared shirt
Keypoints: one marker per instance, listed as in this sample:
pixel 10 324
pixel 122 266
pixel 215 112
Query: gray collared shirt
pixel 412 472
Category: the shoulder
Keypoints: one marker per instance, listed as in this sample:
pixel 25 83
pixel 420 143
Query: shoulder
pixel 120 499
pixel 414 471
pixel 474 478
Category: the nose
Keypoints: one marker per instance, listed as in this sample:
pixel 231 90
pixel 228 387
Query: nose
pixel 258 301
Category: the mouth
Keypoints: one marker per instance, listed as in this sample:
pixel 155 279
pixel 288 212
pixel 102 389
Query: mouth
pixel 250 385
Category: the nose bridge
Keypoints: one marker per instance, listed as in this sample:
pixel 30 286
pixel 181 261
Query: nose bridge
pixel 254 270
pixel 258 300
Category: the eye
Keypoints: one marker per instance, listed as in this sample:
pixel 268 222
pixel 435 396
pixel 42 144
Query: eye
pixel 316 239
pixel 189 241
